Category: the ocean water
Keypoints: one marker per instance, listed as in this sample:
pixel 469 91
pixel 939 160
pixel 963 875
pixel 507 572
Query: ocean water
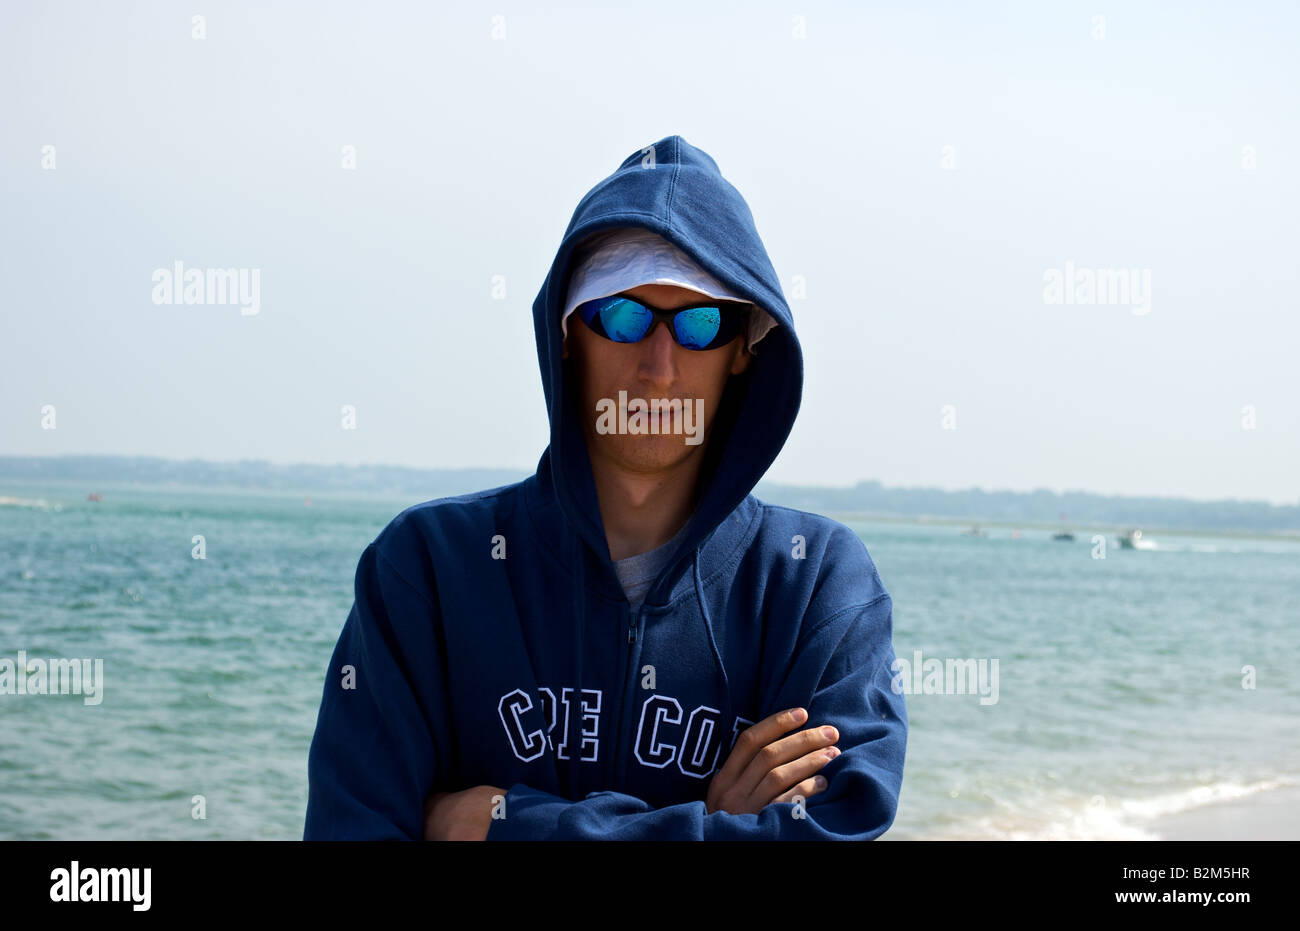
pixel 1119 680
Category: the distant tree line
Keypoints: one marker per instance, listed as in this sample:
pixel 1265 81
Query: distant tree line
pixel 1042 507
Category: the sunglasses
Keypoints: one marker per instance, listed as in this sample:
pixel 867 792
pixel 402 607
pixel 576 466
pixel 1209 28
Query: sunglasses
pixel 707 325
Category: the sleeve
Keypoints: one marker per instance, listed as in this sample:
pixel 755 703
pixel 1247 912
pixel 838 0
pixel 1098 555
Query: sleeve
pixel 373 758
pixel 846 660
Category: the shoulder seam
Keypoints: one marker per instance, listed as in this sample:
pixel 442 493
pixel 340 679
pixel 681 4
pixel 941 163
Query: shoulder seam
pixel 846 609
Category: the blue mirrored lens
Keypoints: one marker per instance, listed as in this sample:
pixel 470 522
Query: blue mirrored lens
pixel 698 327
pixel 625 321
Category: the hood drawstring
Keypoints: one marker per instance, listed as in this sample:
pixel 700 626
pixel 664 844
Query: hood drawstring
pixel 708 622
pixel 579 600
pixel 699 590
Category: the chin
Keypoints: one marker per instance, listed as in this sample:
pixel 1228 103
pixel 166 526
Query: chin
pixel 651 453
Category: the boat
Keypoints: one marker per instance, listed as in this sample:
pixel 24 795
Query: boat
pixel 1133 540
pixel 1064 536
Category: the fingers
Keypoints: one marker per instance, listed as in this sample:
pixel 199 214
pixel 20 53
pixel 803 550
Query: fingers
pixel 753 739
pixel 807 788
pixel 764 766
pixel 768 775
pixel 802 772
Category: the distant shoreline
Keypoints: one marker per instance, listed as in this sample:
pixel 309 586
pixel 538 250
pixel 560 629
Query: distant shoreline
pixel 1042 509
pixel 78 489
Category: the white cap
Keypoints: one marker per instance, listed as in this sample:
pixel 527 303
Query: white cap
pixel 627 257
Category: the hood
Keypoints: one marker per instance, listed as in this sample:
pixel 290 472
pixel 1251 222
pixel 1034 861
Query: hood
pixel 679 193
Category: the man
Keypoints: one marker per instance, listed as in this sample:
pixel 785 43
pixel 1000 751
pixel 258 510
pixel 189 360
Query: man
pixel 627 644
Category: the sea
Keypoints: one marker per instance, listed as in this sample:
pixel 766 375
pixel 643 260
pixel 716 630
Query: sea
pixel 1055 689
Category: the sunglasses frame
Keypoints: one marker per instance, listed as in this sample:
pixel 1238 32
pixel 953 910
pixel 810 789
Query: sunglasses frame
pixel 668 318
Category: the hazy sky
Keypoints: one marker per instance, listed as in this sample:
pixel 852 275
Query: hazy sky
pixel 1163 139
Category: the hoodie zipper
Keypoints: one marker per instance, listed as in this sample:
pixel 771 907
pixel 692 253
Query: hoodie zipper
pixel 633 634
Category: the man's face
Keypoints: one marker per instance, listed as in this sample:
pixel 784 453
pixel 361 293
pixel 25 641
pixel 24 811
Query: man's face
pixel 654 369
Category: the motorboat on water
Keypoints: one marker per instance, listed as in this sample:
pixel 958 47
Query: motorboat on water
pixel 1133 540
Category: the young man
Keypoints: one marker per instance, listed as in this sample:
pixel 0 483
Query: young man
pixel 627 644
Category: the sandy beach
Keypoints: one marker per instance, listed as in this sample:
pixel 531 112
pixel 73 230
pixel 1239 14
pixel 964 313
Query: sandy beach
pixel 1273 815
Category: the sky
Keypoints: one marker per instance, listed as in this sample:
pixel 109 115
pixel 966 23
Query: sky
pixel 399 176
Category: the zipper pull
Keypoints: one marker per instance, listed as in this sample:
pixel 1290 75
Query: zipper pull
pixel 631 630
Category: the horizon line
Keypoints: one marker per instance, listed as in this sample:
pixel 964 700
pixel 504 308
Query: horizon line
pixel 530 470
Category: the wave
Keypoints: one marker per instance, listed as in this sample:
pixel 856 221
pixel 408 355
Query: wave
pixel 1098 817
pixel 37 503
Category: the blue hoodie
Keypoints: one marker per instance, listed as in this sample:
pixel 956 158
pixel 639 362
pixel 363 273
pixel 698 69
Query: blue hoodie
pixel 491 644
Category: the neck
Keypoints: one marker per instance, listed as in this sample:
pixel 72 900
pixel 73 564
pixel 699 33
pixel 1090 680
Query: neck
pixel 642 511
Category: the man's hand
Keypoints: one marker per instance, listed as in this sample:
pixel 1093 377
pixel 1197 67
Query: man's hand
pixel 762 769
pixel 463 815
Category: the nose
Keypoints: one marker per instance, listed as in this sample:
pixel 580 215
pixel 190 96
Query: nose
pixel 658 364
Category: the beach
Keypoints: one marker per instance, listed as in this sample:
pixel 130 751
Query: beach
pixel 1273 815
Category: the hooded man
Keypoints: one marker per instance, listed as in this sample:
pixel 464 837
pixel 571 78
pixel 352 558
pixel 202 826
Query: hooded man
pixel 625 644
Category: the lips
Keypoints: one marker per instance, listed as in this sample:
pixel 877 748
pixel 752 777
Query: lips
pixel 665 405
pixel 664 413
